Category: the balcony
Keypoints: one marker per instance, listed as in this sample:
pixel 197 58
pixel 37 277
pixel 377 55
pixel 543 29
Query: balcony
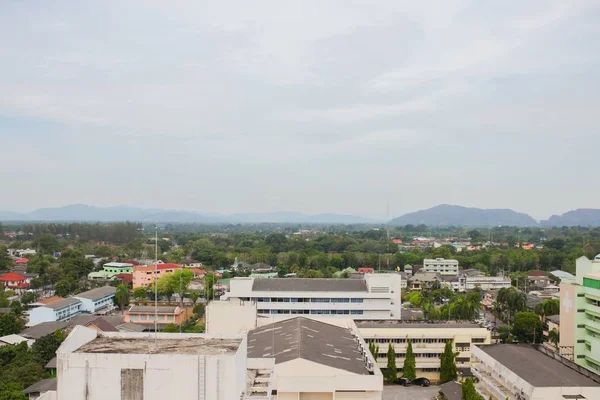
pixel 488 386
pixel 592 324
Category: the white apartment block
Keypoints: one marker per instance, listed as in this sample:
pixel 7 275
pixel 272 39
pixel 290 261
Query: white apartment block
pixel 61 310
pixel 142 366
pixel 440 265
pixel 374 296
pixel 98 299
pixel 487 282
pixel 428 341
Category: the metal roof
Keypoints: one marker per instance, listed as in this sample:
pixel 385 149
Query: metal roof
pixel 150 309
pixel 55 305
pixel 98 293
pixel 309 285
pixel 43 329
pixel 42 386
pixel 310 340
pixel 535 367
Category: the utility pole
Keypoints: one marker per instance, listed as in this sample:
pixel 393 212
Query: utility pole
pixel 156 287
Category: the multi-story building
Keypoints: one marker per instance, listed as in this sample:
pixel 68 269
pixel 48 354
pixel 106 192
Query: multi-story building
pixel 374 296
pixel 510 371
pixel 59 310
pixel 440 265
pixel 580 315
pixel 142 366
pixel 145 275
pixel 428 342
pixel 97 300
pixel 14 281
pixel 146 315
pixel 110 270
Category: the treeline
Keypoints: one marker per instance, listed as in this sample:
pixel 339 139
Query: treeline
pixel 119 232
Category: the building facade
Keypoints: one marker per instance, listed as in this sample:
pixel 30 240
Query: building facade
pixel 61 310
pixel 97 300
pixel 110 270
pixel 14 281
pixel 144 275
pixel 375 296
pixel 580 315
pixel 146 315
pixel 140 366
pixel 428 342
pixel 440 265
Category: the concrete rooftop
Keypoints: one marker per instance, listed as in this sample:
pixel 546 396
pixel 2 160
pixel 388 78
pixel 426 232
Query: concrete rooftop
pixel 145 345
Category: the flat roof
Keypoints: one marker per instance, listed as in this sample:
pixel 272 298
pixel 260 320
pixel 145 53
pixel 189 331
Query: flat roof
pixel 145 345
pixel 415 325
pixel 118 265
pixel 98 293
pixel 535 367
pixel 150 309
pixel 309 285
pixel 308 339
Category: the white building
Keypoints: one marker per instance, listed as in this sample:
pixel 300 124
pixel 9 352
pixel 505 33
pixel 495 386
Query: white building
pixel 487 282
pixel 523 372
pixel 440 265
pixel 60 310
pixel 98 299
pixel 428 341
pixel 317 360
pixel 20 253
pixel 374 296
pixel 142 366
pixel 230 317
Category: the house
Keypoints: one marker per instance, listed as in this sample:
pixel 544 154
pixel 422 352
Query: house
pixel 424 280
pixel 14 281
pixel 15 339
pixel 146 316
pixel 21 261
pixel 452 390
pixel 44 328
pixel 365 270
pixel 145 275
pixel 124 278
pixel 97 300
pixel 526 372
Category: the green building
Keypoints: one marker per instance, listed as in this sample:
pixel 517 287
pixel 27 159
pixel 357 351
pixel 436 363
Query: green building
pixel 111 269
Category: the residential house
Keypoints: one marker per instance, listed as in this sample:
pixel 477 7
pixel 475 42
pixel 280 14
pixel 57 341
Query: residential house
pixel 145 275
pixel 14 339
pixel 365 270
pixel 424 280
pixel 39 389
pixel 147 315
pixel 14 281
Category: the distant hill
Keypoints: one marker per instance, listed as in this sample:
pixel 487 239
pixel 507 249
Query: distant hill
pixel 446 215
pixel 87 213
pixel 579 217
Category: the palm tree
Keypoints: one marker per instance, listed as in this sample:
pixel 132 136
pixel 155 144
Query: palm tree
pixel 554 337
pixel 122 297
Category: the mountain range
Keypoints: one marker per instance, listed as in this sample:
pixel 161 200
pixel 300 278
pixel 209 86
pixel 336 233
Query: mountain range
pixel 441 215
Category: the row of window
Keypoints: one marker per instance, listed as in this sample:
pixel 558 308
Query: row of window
pixel 313 312
pixel 417 355
pixel 304 300
pixel 150 317
pixel 404 340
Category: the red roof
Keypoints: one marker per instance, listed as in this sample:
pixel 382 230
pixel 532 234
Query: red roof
pixel 12 277
pixel 132 262
pixel 125 277
pixel 22 261
pixel 168 266
pixel 197 271
pixel 537 273
pixel 365 270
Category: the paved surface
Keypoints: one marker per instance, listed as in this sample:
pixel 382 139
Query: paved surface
pixel 397 392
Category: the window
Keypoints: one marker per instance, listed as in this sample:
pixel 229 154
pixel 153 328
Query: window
pixel 340 300
pixel 580 310
pixel 581 356
pixel 581 341
pixel 356 312
pixel 580 294
pixel 581 326
pixel 144 317
pixel 356 300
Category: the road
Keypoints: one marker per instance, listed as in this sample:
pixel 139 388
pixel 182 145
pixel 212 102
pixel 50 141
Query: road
pixel 397 392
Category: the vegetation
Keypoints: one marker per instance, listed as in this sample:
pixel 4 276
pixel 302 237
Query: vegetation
pixel 469 392
pixel 391 372
pixel 409 370
pixel 448 364
pixel 122 297
pixel 528 327
pixel 10 324
pixel 554 337
pixel 509 302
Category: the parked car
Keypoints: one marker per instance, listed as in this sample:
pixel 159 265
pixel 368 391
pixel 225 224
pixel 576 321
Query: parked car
pixel 421 382
pixel 403 381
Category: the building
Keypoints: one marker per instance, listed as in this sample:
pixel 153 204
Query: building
pixel 110 270
pixel 440 265
pixel 146 315
pixel 144 276
pixel 14 281
pixel 61 310
pixel 524 372
pixel 14 339
pixel 374 296
pixel 580 315
pixel 317 360
pixel 40 388
pixel 425 280
pixel 428 342
pixel 144 366
pixel 20 253
pixel 97 300
pixel 551 323
pixel 230 317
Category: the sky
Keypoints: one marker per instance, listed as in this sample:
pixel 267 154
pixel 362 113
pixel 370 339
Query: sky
pixel 311 106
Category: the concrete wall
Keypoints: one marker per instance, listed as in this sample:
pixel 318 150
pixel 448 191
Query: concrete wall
pixel 96 376
pixel 41 314
pixel 230 317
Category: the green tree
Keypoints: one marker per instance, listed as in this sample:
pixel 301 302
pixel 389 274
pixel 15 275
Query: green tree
pixel 209 282
pixel 122 296
pixel 469 392
pixel 527 327
pixel 199 309
pixel 194 295
pixel 554 337
pixel 165 287
pixel 29 298
pixel 448 364
pixel 140 293
pixel 409 370
pixel 171 328
pixel 374 349
pixel 180 280
pixel 44 349
pixel 391 372
pixel 10 324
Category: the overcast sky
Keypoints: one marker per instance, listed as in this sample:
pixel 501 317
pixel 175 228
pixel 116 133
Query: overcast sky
pixel 310 106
